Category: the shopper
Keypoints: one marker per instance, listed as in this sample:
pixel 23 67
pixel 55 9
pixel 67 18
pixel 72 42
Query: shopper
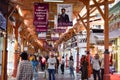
pixel 96 67
pixel 51 66
pixel 35 64
pixel 84 68
pixel 57 64
pixel 25 71
pixel 71 66
pixel 43 62
pixel 62 64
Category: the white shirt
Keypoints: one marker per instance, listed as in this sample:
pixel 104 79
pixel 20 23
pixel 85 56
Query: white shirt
pixel 95 64
pixel 62 61
pixel 51 63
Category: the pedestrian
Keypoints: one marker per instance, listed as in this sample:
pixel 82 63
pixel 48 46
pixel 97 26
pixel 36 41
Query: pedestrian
pixel 84 68
pixel 43 62
pixel 71 66
pixel 35 65
pixel 96 67
pixel 62 65
pixel 51 66
pixel 57 64
pixel 25 71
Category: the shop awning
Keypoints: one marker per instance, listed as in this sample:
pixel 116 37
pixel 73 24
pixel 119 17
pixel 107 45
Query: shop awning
pixel 112 35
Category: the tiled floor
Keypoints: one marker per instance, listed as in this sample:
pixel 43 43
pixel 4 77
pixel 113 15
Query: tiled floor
pixel 67 76
pixel 59 76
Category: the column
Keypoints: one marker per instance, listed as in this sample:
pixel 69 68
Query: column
pixel 16 53
pixel 77 66
pixel 66 60
pixel 88 37
pixel 106 42
pixel 4 59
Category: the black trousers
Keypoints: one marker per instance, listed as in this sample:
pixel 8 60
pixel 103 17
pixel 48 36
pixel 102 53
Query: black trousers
pixel 96 73
pixel 62 68
pixel 102 74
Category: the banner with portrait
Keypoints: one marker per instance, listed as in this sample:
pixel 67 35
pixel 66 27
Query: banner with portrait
pixel 41 16
pixel 64 15
pixel 58 29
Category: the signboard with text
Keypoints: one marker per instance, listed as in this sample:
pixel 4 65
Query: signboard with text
pixel 41 16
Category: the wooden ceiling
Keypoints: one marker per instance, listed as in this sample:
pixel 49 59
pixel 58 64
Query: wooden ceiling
pixel 26 7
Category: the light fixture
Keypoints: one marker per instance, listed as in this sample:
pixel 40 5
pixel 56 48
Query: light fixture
pixel 53 1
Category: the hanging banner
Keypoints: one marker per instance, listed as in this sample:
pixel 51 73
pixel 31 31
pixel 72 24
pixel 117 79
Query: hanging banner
pixel 54 36
pixel 42 35
pixel 56 28
pixel 41 16
pixel 64 15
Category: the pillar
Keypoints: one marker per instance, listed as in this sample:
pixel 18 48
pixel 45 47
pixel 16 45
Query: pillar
pixel 22 44
pixel 77 66
pixel 66 60
pixel 16 53
pixel 88 37
pixel 4 59
pixel 106 42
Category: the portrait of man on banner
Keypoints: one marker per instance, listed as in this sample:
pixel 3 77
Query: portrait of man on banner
pixel 64 16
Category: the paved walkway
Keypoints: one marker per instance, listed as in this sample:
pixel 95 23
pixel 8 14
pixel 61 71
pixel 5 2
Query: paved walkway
pixel 59 76
pixel 66 76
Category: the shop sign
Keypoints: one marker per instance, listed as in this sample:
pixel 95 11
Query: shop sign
pixel 41 16
pixel 82 42
pixel 73 39
pixel 74 45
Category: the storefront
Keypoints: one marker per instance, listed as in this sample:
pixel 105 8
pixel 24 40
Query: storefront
pixel 2 32
pixel 114 27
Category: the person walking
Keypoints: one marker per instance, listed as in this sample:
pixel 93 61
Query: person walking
pixel 71 66
pixel 84 68
pixel 57 65
pixel 25 71
pixel 43 62
pixel 35 64
pixel 51 66
pixel 62 65
pixel 96 67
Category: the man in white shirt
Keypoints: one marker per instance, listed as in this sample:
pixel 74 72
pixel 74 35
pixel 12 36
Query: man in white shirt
pixel 51 66
pixel 96 67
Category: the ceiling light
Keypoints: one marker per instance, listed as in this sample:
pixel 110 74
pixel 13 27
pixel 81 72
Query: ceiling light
pixel 53 1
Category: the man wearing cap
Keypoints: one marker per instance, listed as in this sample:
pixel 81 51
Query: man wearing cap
pixel 25 71
pixel 51 66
